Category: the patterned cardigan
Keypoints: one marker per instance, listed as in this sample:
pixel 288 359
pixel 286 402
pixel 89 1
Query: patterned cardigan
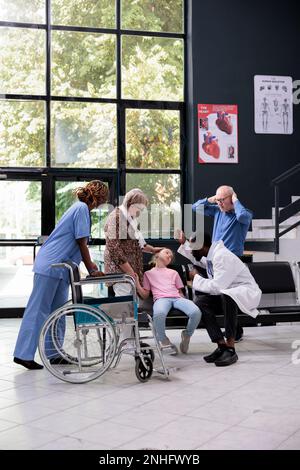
pixel 120 248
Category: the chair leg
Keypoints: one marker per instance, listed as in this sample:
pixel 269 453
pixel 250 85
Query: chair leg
pixel 158 348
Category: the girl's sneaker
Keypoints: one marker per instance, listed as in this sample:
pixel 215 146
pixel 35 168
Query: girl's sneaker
pixel 185 342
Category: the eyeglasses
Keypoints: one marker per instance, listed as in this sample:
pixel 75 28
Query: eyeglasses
pixel 139 207
pixel 223 199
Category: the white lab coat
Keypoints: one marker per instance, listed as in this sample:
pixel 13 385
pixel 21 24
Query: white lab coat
pixel 230 276
pixel 186 251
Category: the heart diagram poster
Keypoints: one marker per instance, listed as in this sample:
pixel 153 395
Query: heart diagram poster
pixel 273 102
pixel 218 133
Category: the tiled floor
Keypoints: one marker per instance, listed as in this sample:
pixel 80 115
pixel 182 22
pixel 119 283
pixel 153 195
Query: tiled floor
pixel 254 404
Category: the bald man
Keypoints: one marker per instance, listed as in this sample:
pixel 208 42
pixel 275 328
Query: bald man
pixel 231 224
pixel 231 218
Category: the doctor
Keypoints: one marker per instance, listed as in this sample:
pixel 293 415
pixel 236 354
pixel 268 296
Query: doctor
pixel 68 241
pixel 229 286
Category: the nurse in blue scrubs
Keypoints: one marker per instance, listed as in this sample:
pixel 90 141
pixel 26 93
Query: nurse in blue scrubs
pixel 68 241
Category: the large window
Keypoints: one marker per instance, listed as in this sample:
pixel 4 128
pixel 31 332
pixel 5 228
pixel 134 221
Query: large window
pixel 83 64
pixel 22 61
pixel 22 133
pixel 152 139
pixel 20 216
pixel 20 209
pixel 83 135
pixel 152 68
pixel 89 89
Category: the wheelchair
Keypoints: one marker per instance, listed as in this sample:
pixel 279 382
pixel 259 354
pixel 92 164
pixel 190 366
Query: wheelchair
pixel 80 341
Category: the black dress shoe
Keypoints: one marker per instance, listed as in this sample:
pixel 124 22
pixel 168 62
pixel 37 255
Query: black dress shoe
pixel 228 357
pixel 31 365
pixel 59 360
pixel 214 356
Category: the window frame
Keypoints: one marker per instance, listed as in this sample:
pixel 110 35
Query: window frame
pixel 116 177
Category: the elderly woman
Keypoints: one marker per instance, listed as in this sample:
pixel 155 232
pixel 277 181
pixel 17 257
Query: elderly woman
pixel 124 242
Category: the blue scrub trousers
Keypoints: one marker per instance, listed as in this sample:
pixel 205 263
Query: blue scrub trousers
pixel 47 295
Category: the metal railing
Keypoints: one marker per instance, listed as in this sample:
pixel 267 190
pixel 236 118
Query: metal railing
pixel 286 212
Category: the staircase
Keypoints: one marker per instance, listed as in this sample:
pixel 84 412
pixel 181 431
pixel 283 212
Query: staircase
pixel 261 239
pixel 277 238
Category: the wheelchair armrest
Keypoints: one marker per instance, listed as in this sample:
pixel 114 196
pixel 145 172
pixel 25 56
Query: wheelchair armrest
pixel 108 277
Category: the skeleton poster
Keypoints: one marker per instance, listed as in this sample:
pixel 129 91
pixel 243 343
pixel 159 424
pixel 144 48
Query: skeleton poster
pixel 218 133
pixel 273 101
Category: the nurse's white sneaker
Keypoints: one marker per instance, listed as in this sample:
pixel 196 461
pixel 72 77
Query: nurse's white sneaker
pixel 185 342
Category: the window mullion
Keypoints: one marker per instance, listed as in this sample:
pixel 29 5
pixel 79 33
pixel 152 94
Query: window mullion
pixel 48 83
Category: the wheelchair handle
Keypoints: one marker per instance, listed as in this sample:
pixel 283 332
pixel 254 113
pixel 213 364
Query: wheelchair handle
pixel 102 279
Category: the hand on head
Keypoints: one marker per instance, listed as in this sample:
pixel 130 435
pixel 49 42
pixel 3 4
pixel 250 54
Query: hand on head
pixel 234 198
pixel 180 236
pixel 212 199
pixel 157 249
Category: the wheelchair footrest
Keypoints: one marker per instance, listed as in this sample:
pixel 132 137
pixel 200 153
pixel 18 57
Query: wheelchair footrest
pixel 69 372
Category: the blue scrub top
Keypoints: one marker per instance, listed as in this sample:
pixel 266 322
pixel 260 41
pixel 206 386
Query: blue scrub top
pixel 231 227
pixel 61 244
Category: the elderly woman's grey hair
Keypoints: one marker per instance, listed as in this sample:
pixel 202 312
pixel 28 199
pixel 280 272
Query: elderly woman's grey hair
pixel 135 196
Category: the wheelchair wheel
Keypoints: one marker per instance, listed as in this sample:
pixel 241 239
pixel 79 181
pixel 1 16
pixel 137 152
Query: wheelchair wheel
pixel 78 343
pixel 147 351
pixel 143 373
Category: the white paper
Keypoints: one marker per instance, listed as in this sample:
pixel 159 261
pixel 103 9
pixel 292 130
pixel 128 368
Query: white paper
pixel 273 102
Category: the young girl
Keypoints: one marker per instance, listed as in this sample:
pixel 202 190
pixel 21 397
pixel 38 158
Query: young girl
pixel 165 285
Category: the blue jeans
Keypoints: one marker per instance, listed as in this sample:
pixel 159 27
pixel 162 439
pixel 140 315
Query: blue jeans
pixel 162 307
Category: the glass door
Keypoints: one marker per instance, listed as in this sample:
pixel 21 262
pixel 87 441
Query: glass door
pixel 20 216
pixel 30 206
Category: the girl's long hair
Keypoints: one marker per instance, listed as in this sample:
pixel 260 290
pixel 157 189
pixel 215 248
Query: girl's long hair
pixel 152 262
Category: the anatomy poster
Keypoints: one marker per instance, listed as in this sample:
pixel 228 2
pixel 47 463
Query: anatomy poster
pixel 218 133
pixel 273 98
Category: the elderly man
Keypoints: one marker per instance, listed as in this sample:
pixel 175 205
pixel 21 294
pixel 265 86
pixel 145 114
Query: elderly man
pixel 229 287
pixel 231 223
pixel 231 218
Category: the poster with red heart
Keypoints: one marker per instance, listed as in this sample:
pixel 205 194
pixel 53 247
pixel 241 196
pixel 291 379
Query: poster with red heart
pixel 218 133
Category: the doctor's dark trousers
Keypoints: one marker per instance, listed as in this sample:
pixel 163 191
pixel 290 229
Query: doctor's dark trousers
pixel 47 295
pixel 212 305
